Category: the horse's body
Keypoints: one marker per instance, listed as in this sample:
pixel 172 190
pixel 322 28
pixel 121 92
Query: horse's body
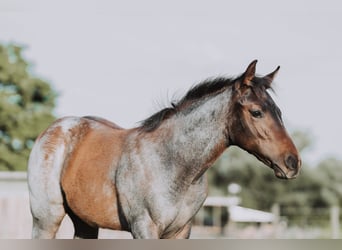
pixel 150 180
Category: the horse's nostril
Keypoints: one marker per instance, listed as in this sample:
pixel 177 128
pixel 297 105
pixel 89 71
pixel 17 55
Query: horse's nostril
pixel 291 162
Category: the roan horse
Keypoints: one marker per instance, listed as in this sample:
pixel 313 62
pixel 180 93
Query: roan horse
pixel 150 180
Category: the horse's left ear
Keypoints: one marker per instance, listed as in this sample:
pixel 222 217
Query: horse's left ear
pixel 269 78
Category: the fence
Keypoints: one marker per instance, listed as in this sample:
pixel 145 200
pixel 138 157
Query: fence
pixel 321 223
pixel 16 222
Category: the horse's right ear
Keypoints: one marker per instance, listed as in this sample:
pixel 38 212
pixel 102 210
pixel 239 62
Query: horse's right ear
pixel 249 74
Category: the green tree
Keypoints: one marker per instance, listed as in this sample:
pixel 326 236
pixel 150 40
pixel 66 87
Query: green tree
pixel 26 106
pixel 330 175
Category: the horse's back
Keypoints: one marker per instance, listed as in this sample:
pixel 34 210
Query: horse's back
pixel 80 154
pixel 103 121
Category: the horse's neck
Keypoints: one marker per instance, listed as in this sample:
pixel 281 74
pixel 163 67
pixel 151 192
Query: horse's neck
pixel 199 135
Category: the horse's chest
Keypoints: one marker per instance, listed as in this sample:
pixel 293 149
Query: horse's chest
pixel 187 208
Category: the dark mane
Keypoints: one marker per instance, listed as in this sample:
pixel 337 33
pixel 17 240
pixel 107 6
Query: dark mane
pixel 200 91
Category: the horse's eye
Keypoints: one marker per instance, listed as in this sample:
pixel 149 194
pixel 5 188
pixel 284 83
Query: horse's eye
pixel 256 113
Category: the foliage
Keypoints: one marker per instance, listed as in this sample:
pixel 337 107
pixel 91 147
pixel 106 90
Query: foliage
pixel 26 105
pixel 315 188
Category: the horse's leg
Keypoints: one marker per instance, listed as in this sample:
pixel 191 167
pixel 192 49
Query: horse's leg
pixel 183 233
pixel 46 207
pixel 144 228
pixel 82 229
pixel 46 200
pixel 46 223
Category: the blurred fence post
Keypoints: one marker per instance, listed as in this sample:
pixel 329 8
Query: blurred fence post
pixel 275 210
pixel 335 222
pixel 217 216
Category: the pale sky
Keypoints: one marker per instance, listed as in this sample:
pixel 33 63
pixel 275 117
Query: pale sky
pixel 123 60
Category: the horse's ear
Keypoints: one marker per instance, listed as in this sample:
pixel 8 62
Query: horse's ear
pixel 249 73
pixel 270 77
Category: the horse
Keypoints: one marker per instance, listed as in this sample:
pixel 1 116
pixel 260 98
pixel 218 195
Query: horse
pixel 150 180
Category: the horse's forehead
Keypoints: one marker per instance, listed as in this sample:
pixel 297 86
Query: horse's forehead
pixel 259 94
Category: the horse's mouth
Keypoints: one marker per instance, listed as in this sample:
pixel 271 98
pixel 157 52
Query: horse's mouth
pixel 278 171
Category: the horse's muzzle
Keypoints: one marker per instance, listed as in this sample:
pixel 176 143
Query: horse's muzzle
pixel 291 169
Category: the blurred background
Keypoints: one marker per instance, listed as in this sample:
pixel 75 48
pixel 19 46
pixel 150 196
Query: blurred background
pixel 124 60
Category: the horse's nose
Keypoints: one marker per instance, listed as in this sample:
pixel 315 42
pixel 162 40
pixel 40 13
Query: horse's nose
pixel 292 162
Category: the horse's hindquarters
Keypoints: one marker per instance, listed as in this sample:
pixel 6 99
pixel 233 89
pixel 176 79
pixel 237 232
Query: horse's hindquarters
pixel 44 170
pixel 84 169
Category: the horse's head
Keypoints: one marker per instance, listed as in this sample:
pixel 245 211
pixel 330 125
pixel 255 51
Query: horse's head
pixel 257 126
